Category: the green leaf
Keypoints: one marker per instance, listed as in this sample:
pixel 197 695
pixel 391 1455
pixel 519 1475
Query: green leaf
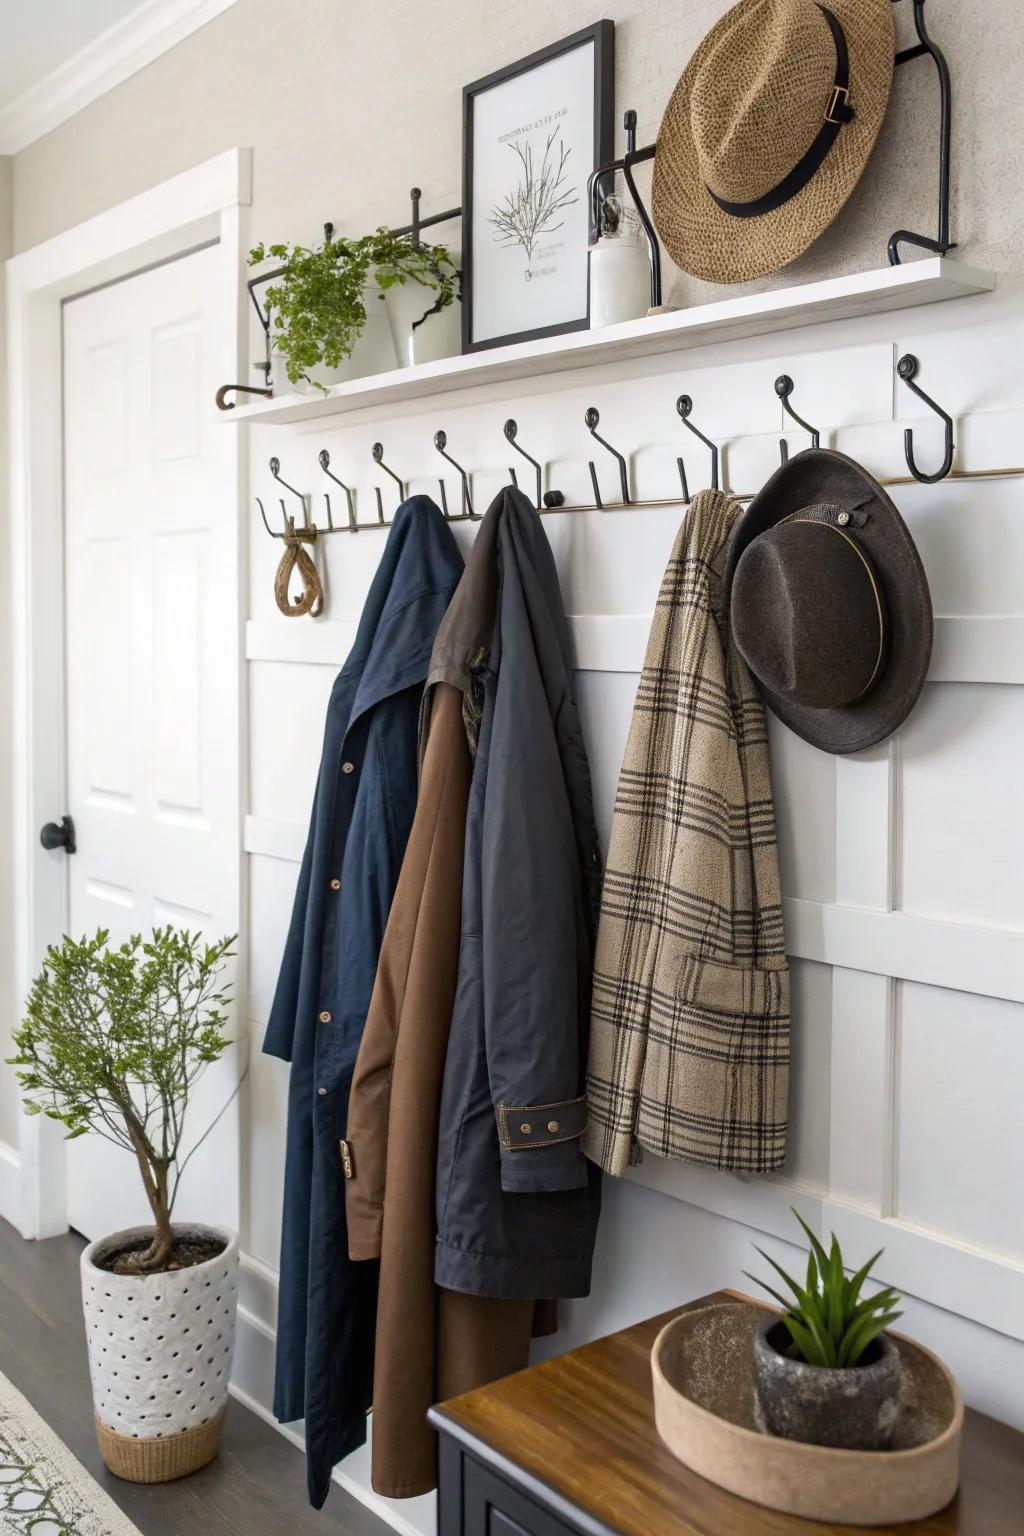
pixel 856 1281
pixel 819 1252
pixel 861 1335
pixel 805 1341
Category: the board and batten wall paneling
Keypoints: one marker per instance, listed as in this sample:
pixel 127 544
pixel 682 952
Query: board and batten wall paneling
pixel 903 907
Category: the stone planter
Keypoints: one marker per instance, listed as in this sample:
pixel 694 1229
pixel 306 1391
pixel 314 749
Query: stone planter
pixel 160 1349
pixel 854 1409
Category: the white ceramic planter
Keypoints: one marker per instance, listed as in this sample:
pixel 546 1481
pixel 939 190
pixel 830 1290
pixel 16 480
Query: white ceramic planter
pixel 435 337
pixel 620 282
pixel 374 352
pixel 160 1350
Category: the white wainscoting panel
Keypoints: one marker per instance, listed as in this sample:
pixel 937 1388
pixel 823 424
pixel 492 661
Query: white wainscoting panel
pixel 901 866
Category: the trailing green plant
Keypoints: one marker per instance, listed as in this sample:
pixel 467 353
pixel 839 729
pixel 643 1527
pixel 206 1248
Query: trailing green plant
pixel 317 306
pixel 829 1322
pixel 113 1041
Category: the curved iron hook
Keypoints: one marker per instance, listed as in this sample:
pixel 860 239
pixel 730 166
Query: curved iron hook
pixel 467 514
pixel 684 405
pixel 266 525
pixel 324 460
pixel 784 388
pixel 511 431
pixel 592 419
pixel 275 470
pixel 907 368
pixel 378 458
pixel 224 404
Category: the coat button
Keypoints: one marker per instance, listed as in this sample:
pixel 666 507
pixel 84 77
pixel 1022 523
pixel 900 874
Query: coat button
pixel 322 1092
pixel 526 1127
pixel 552 1125
pixel 335 885
pixel 348 767
pixel 325 1017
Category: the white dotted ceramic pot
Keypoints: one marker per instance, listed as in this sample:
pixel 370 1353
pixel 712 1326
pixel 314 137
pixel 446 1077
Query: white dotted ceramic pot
pixel 160 1349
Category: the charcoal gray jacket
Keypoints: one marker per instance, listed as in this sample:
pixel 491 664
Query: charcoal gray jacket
pixel 517 1202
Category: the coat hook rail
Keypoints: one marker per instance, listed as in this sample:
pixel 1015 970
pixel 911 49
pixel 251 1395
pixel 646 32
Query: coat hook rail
pixel 907 369
pixel 324 460
pixel 593 419
pixel 467 514
pixel 784 388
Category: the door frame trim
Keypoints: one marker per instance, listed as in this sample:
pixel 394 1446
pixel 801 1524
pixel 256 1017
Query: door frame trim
pixel 202 204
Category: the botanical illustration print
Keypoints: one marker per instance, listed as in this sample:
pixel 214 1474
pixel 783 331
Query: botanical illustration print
pixel 44 1491
pixel 533 206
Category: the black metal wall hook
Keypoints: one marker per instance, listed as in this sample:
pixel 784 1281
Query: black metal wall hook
pixel 784 388
pixel 467 514
pixel 925 47
pixel 275 470
pixel 592 419
pixel 324 460
pixel 684 405
pixel 266 525
pixel 545 500
pixel 907 369
pixel 378 458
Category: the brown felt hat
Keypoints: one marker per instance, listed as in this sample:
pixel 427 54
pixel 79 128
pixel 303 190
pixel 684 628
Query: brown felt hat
pixel 768 130
pixel 828 602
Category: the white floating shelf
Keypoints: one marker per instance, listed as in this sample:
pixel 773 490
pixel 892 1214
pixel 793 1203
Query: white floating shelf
pixel 837 298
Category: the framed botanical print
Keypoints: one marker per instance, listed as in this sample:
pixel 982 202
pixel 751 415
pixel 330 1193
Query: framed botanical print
pixel 533 133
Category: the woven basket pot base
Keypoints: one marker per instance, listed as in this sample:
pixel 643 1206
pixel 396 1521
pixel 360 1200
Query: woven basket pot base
pixel 160 1459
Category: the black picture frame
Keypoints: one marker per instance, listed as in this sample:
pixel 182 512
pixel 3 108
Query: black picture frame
pixel 602 35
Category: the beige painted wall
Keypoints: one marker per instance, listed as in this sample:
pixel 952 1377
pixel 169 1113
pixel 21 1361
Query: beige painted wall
pixel 347 105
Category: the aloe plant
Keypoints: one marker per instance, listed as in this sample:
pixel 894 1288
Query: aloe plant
pixel 829 1322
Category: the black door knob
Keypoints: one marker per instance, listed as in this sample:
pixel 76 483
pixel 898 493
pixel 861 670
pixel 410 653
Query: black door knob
pixel 59 836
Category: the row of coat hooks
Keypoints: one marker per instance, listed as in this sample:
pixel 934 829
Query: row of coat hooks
pixel 553 501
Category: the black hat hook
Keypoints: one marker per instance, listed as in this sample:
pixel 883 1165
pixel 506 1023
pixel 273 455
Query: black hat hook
pixel 907 368
pixel 684 405
pixel 467 514
pixel 324 460
pixel 784 388
pixel 378 458
pixel 592 419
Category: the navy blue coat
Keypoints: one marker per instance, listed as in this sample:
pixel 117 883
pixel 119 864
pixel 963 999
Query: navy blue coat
pixel 362 814
pixel 517 1202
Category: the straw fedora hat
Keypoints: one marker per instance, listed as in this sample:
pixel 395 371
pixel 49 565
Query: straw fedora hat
pixel 768 131
pixel 828 602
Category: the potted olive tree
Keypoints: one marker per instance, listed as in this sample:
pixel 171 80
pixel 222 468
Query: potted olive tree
pixel 824 1371
pixel 113 1041
pixel 353 307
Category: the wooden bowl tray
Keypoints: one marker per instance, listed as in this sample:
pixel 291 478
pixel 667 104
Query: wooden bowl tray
pixel 703 1368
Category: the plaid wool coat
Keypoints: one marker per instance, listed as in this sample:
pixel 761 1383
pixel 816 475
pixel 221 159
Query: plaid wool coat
pixel 689 1042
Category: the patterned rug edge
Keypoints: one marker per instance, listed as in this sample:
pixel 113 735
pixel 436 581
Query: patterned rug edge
pixel 108 1518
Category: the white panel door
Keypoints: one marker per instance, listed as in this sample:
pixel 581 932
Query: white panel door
pixel 152 666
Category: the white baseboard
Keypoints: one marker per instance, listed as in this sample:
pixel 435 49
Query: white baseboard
pixel 252 1383
pixel 10 1184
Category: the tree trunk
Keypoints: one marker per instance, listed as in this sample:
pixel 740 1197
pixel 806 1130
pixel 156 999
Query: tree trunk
pixel 154 1179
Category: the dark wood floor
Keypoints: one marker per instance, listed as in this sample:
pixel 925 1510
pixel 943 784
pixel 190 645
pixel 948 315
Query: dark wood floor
pixel 257 1484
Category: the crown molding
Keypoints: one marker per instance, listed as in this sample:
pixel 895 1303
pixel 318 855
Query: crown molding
pixel 115 55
